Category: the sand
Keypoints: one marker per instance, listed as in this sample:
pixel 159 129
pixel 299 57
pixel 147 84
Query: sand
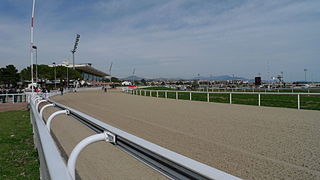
pixel 12 107
pixel 246 141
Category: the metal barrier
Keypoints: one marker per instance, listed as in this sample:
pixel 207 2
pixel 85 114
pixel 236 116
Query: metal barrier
pixel 149 92
pixel 13 98
pixel 52 166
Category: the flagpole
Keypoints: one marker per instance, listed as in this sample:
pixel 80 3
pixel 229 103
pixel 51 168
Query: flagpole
pixel 31 44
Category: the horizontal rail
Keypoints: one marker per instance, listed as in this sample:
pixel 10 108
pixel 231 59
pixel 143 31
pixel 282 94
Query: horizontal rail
pixel 13 94
pixel 229 92
pixel 169 163
pixel 13 98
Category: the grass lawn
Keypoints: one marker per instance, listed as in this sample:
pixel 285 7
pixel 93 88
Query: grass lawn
pixel 311 102
pixel 18 158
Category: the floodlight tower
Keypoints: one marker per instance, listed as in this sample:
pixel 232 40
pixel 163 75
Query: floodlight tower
pixel 110 71
pixel 134 70
pixel 305 75
pixel 75 48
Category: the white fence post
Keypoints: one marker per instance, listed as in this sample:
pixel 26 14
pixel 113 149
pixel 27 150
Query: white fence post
pixel 44 107
pixel 150 93
pixel 157 94
pixel 105 136
pixel 208 97
pixel 166 94
pixel 259 100
pixel 298 101
pixel 54 115
pixel 140 93
pixel 12 99
pixel 230 98
pixel 38 103
pixel 177 95
pixel 190 96
pixel 145 93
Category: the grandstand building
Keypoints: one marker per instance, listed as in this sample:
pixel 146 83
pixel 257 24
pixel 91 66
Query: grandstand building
pixel 88 72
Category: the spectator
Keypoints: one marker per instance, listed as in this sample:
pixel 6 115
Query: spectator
pixel 61 90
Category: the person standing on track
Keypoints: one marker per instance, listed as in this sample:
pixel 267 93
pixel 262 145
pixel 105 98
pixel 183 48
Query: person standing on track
pixel 61 90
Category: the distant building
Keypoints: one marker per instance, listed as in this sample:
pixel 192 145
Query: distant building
pixel 126 83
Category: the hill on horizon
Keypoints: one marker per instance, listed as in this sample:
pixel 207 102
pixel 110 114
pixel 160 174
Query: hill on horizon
pixel 211 78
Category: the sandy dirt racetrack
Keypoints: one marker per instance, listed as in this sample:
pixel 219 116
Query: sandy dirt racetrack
pixel 246 141
pixel 11 107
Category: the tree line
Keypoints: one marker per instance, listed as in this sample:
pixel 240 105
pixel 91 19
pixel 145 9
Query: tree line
pixel 10 77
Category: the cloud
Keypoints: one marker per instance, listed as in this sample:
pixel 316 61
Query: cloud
pixel 172 38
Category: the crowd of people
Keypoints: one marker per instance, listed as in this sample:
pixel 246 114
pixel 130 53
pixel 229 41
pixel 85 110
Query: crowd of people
pixel 10 90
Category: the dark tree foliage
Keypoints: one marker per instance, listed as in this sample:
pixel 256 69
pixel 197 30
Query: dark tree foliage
pixel 9 75
pixel 144 82
pixel 114 79
pixel 47 73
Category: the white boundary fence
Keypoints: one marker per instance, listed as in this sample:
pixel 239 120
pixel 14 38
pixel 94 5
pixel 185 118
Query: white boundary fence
pixel 146 92
pixel 52 166
pixel 13 98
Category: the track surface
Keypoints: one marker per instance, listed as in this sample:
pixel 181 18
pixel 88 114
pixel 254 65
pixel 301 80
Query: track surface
pixel 11 107
pixel 246 141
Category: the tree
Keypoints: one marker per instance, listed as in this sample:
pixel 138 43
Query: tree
pixel 143 81
pixel 47 73
pixel 195 84
pixel 9 75
pixel 114 79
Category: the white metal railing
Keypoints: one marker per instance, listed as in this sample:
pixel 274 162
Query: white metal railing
pixel 169 163
pixel 52 165
pixel 253 89
pixel 156 92
pixel 13 98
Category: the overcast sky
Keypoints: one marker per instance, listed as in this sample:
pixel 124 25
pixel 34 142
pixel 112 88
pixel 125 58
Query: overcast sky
pixel 169 38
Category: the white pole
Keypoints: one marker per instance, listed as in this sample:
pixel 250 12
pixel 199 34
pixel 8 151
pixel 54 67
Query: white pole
pixel 166 94
pixel 68 76
pixel 259 100
pixel 31 43
pixel 71 165
pixel 48 125
pixel 190 96
pixel 157 93
pixel 208 97
pixel 298 101
pixel 177 95
pixel 230 98
pixel 37 65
